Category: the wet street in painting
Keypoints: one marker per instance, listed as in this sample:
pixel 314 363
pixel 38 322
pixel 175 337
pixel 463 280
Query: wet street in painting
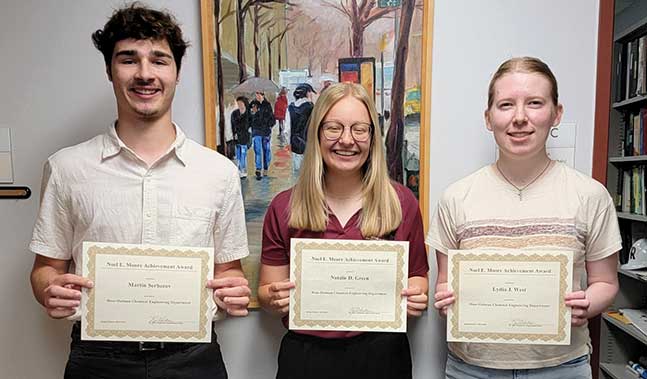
pixel 257 195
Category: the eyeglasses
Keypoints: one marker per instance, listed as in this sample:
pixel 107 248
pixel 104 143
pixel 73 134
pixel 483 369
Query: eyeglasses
pixel 360 131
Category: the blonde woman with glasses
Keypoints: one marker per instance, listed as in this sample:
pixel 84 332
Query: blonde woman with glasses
pixel 343 192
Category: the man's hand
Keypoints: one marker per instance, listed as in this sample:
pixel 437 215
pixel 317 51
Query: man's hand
pixel 231 294
pixel 63 294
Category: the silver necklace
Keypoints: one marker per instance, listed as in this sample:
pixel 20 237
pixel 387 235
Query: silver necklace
pixel 520 189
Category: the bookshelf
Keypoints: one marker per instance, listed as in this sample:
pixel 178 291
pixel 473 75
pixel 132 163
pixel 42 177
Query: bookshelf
pixel 625 171
pixel 628 160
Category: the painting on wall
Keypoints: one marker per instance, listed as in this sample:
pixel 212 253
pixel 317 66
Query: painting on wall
pixel 261 58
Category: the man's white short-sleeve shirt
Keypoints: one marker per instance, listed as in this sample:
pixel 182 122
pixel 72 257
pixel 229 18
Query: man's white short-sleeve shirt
pixel 101 191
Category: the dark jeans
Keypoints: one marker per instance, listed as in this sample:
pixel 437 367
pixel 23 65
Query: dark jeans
pixel 107 359
pixel 262 152
pixel 369 355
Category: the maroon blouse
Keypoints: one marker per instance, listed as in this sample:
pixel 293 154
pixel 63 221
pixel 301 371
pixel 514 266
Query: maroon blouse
pixel 277 235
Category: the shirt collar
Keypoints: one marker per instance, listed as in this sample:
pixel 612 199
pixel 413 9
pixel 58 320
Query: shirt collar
pixel 301 101
pixel 112 144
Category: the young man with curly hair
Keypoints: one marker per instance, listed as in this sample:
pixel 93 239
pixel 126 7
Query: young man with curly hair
pixel 141 182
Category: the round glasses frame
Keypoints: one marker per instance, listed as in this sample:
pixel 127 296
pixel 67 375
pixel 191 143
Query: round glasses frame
pixel 360 131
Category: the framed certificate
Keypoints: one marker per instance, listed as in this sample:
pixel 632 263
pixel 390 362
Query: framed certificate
pixel 147 293
pixel 348 285
pixel 510 296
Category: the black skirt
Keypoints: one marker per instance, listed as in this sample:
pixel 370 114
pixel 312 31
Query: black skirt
pixel 368 355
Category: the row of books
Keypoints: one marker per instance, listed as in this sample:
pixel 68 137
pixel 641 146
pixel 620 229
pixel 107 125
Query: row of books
pixel 635 135
pixel 633 190
pixel 631 69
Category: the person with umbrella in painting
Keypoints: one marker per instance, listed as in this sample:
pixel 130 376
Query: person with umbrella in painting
pixel 262 121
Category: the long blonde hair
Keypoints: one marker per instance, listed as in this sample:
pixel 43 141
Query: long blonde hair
pixel 381 211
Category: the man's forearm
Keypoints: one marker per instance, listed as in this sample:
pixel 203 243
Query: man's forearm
pixel 232 272
pixel 41 278
pixel 44 271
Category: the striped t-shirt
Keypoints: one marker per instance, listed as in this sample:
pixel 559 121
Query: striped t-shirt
pixel 562 210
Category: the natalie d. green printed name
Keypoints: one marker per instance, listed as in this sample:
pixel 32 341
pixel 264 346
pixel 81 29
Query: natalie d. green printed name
pixel 150 266
pixel 349 277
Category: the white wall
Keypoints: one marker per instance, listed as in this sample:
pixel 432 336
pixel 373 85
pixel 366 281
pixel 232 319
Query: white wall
pixel 471 39
pixel 53 93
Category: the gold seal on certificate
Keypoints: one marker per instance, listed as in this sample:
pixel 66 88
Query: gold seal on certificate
pixel 348 285
pixel 510 296
pixel 147 293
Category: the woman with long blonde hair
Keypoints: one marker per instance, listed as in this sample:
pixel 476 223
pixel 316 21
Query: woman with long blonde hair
pixel 343 192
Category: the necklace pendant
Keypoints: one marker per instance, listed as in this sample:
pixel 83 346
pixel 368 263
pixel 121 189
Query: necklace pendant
pixel 519 195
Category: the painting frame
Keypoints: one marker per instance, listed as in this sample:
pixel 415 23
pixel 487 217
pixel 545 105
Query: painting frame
pixel 211 106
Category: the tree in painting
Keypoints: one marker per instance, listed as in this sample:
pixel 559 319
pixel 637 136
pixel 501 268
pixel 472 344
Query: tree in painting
pixel 242 9
pixel 220 90
pixel 395 134
pixel 360 17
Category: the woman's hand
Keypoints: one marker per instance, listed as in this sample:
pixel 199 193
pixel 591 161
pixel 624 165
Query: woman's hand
pixel 579 307
pixel 416 293
pixel 416 301
pixel 443 299
pixel 279 297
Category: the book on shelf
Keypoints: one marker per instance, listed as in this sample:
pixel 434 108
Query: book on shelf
pixel 632 195
pixel 631 69
pixel 621 73
pixel 637 140
pixel 633 133
pixel 641 87
pixel 626 191
pixel 627 126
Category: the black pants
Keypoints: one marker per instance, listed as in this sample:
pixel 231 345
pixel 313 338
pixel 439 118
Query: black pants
pixel 369 355
pixel 107 359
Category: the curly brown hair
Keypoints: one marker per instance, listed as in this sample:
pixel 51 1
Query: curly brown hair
pixel 140 22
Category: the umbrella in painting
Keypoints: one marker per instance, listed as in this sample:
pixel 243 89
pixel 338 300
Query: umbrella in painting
pixel 254 84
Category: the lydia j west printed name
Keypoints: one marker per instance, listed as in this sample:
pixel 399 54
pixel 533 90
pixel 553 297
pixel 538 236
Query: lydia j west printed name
pixel 510 288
